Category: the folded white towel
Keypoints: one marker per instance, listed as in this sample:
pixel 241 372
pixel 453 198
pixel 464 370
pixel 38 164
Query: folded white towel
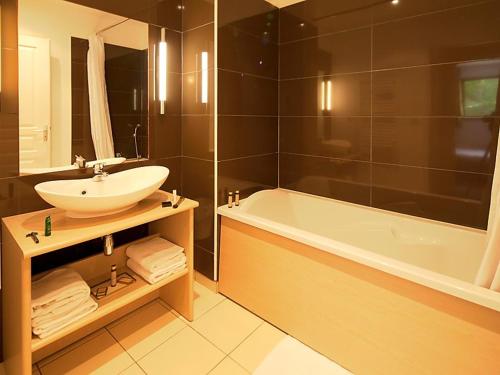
pixel 55 313
pixel 84 309
pixel 153 277
pixel 153 254
pixel 57 289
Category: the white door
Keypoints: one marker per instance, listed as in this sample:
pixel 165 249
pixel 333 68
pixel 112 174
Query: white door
pixel 34 102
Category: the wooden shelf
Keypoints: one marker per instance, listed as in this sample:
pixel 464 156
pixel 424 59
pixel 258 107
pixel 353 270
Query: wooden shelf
pixel 67 231
pixel 21 348
pixel 108 305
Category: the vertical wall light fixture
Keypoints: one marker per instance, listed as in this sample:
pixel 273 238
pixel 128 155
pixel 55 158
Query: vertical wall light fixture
pixel 162 74
pixel 204 77
pixel 326 95
pixel 329 95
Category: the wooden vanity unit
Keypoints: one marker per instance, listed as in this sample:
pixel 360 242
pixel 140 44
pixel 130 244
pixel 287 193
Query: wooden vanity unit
pixel 21 349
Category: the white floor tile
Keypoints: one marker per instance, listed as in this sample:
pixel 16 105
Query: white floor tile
pixel 145 329
pixel 186 353
pixel 227 325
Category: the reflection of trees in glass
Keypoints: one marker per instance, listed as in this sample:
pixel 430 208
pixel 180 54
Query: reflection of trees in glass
pixel 480 96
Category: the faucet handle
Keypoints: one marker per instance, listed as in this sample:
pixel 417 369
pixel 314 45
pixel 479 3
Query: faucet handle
pixel 80 161
pixel 98 167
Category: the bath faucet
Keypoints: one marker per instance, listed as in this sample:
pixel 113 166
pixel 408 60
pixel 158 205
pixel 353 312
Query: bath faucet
pixel 99 173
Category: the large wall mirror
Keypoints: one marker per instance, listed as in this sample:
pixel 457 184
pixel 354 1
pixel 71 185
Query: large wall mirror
pixel 83 86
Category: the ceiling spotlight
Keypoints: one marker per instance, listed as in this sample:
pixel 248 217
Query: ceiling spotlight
pixel 395 2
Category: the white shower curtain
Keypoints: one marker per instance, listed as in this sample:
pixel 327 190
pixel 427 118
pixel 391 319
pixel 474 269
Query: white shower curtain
pixel 489 271
pixel 100 122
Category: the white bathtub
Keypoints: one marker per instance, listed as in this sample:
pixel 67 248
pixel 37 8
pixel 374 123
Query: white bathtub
pixel 441 256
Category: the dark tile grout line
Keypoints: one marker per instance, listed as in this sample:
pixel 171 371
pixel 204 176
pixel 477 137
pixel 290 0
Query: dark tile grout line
pixel 247 157
pixel 387 164
pixel 248 74
pixel 381 70
pixel 198 27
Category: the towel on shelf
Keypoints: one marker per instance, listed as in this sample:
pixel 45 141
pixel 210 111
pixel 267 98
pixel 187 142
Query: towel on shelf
pixel 85 308
pixel 154 253
pixel 167 269
pixel 57 289
pixel 55 313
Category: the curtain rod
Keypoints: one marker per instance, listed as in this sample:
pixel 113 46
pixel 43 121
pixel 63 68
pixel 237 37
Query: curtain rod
pixel 114 25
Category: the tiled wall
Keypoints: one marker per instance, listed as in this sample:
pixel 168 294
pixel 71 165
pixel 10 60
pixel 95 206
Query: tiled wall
pixel 412 127
pixel 198 127
pixel 247 97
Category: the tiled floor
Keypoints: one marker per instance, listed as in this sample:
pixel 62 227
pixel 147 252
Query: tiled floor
pixel 223 339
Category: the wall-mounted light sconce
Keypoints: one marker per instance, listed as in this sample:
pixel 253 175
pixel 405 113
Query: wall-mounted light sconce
pixel 326 95
pixel 162 74
pixel 204 77
pixel 329 96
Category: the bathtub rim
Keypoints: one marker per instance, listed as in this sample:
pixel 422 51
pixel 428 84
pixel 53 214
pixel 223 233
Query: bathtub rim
pixel 443 283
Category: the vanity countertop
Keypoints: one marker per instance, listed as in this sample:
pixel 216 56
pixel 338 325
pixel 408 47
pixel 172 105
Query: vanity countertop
pixel 68 231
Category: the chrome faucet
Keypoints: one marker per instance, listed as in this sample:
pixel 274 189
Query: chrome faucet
pixel 99 173
pixel 80 161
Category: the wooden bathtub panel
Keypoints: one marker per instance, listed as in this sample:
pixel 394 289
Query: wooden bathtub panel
pixel 366 320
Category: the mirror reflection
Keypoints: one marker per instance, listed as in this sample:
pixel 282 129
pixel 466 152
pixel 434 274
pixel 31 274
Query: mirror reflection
pixel 83 86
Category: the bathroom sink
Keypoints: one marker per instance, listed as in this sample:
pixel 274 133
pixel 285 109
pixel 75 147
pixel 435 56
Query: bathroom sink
pixel 91 197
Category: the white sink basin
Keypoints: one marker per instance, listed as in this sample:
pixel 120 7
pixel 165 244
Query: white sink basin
pixel 114 193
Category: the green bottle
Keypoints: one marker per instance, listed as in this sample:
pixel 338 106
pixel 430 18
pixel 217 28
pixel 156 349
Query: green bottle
pixel 48 226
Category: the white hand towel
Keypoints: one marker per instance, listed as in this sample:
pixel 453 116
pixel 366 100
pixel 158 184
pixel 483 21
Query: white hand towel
pixel 55 313
pixel 85 309
pixel 56 289
pixel 152 254
pixel 154 277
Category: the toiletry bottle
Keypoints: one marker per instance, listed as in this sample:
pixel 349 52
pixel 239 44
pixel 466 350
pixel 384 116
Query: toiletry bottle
pixel 237 198
pixel 48 226
pixel 174 197
pixel 230 200
pixel 113 275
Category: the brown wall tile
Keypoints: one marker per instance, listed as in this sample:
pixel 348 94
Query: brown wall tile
pixel 195 42
pixel 435 90
pixel 243 52
pixel 241 136
pixel 198 135
pixel 461 144
pixel 9 144
pixel 197 13
pixel 344 52
pixel 191 95
pixel 198 184
pixel 303 97
pixel 247 175
pixel 243 94
pixel 165 133
pixel 345 138
pixel 461 34
pixel 456 197
pixel 333 178
pixel 257 17
pixel 317 17
pixel 204 261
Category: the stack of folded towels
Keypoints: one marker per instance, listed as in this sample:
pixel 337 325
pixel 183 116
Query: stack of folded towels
pixel 155 259
pixel 58 299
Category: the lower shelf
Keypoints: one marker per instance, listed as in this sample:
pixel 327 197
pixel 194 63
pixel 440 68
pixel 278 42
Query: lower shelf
pixel 108 305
